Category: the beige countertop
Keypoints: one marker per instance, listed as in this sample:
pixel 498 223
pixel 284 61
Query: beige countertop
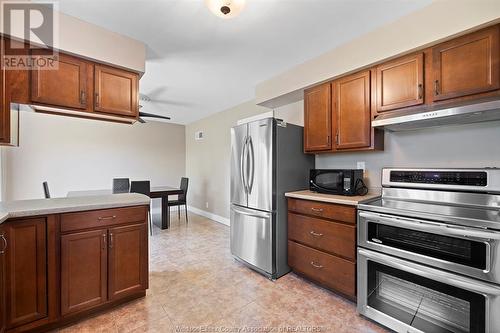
pixel 25 208
pixel 338 199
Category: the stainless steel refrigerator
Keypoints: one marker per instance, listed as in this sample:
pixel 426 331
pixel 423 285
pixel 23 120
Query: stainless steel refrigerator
pixel 267 160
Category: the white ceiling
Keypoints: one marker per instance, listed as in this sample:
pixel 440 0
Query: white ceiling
pixel 199 64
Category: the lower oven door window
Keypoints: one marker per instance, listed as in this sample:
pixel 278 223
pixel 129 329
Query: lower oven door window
pixel 452 249
pixel 424 304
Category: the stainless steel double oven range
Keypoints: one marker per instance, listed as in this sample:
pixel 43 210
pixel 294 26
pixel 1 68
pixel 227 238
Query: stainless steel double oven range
pixel 429 251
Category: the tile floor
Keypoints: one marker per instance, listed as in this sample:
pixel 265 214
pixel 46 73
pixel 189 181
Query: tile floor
pixel 197 287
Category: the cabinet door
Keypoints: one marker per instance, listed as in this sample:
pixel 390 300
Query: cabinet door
pixel 83 270
pixel 68 86
pixel 400 83
pixel 466 65
pixel 317 118
pixel 3 247
pixel 352 112
pixel 128 260
pixel 116 91
pixel 26 271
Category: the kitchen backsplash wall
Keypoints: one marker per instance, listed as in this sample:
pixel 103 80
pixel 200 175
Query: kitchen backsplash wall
pixel 467 146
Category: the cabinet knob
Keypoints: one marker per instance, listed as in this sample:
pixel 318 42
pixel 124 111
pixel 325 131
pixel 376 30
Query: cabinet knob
pixel 101 218
pixel 103 241
pixel 436 87
pixel 97 99
pixel 83 99
pixel 317 210
pixel 110 240
pixel 315 234
pixel 420 91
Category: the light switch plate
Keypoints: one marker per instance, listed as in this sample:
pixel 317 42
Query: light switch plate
pixel 361 165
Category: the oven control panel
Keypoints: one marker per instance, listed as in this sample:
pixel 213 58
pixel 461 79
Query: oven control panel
pixel 463 178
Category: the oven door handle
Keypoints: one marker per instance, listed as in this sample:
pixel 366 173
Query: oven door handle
pixel 451 279
pixel 432 227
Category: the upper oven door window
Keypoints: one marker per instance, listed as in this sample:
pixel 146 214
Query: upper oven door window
pixel 330 180
pixel 457 250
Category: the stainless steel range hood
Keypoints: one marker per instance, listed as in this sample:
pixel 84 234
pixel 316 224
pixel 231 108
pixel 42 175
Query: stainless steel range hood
pixel 457 115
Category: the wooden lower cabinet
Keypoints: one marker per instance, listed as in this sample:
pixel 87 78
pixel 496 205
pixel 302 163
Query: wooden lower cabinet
pixel 3 247
pixel 50 277
pixel 323 248
pixel 128 260
pixel 26 272
pixel 331 271
pixel 83 270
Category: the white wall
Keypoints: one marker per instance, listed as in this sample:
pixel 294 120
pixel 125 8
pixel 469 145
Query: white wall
pixel 441 19
pixel 79 154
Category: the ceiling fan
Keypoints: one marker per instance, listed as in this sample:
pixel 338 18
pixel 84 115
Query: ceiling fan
pixel 144 98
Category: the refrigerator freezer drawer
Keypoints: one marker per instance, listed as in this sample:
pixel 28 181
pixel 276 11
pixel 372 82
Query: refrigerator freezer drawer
pixel 252 237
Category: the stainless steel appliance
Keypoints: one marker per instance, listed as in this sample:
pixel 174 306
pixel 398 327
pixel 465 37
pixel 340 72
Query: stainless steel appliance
pixel 266 161
pixel 336 181
pixel 428 251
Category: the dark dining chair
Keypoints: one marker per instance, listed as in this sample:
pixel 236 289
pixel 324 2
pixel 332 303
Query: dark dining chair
pixel 46 190
pixel 181 200
pixel 121 185
pixel 143 187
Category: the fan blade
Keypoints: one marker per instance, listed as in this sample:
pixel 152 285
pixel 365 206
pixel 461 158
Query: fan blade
pixel 151 115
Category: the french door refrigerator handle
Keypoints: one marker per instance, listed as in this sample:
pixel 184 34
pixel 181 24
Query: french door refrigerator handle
pixel 252 165
pixel 243 162
pixel 455 280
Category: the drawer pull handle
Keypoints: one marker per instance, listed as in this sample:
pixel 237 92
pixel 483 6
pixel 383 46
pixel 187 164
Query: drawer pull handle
pixel 107 218
pixel 110 240
pixel 317 210
pixel 315 234
pixel 318 266
pixel 103 241
pixel 4 240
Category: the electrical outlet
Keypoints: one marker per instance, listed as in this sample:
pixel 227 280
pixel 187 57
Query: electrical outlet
pixel 206 204
pixel 361 165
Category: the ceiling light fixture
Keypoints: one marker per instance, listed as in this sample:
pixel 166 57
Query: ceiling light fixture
pixel 225 8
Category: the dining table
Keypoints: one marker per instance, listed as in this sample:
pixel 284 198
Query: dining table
pixel 161 192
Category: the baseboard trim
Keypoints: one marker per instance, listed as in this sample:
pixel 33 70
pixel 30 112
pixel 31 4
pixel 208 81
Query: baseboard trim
pixel 215 217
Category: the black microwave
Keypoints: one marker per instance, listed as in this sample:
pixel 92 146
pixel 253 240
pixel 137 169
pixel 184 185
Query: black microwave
pixel 337 181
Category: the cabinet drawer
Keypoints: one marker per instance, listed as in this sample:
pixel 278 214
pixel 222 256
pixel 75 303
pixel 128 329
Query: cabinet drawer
pixel 324 210
pixel 332 272
pixel 100 218
pixel 336 238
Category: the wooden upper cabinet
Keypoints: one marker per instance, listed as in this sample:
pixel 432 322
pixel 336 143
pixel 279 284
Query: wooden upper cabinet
pixel 83 270
pixel 67 87
pixel 128 260
pixel 352 111
pixel 26 271
pixel 466 65
pixel 317 118
pixel 116 91
pixel 400 83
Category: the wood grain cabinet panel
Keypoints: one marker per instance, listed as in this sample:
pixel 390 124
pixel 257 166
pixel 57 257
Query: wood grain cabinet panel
pixel 26 271
pixel 83 270
pixel 466 65
pixel 352 111
pixel 335 238
pixel 400 83
pixel 67 87
pixel 317 119
pixel 3 247
pixel 116 91
pixel 128 256
pixel 323 210
pixel 332 272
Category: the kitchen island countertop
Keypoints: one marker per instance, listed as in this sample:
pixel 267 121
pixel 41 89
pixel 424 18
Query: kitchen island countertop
pixel 338 199
pixel 35 207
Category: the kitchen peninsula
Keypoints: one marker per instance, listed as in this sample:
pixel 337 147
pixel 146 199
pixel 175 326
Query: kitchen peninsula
pixel 63 259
